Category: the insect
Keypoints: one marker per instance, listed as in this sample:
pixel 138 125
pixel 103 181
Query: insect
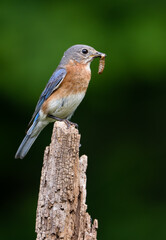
pixel 101 63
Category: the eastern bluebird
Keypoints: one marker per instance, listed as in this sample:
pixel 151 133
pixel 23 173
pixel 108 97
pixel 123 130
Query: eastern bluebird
pixel 62 94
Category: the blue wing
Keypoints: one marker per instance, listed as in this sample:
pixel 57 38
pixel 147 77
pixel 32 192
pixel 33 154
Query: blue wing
pixel 54 82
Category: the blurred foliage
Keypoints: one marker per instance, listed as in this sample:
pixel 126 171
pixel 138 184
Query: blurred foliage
pixel 121 120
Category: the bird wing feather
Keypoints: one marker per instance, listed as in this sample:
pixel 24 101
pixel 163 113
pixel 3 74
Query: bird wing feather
pixel 53 83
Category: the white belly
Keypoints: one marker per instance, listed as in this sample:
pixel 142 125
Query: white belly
pixel 64 108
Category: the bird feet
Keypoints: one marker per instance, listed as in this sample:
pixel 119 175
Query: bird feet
pixel 68 123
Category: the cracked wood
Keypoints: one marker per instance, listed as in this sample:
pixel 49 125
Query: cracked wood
pixel 61 211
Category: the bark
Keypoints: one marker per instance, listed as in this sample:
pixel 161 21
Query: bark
pixel 61 210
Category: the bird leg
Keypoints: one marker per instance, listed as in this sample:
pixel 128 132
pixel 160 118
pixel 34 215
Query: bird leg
pixel 68 123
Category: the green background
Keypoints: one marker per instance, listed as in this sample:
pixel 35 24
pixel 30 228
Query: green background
pixel 122 119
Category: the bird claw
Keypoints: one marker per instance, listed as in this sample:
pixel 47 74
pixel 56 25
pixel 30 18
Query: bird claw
pixel 68 123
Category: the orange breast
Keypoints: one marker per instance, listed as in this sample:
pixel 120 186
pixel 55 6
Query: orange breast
pixel 76 81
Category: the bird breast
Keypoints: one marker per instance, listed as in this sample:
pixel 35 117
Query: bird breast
pixel 64 101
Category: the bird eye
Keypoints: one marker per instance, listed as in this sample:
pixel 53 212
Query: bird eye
pixel 84 51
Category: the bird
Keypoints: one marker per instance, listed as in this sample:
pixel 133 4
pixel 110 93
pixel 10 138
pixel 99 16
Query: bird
pixel 63 93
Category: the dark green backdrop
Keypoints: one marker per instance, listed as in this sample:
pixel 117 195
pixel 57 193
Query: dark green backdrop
pixel 122 120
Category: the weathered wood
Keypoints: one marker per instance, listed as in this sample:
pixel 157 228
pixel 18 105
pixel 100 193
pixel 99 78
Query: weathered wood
pixel 61 211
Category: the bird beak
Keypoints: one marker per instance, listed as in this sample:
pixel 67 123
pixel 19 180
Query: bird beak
pixel 99 54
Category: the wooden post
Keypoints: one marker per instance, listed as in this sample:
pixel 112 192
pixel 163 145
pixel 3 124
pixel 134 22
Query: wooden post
pixel 61 210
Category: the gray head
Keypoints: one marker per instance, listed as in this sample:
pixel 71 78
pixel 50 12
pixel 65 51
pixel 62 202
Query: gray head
pixel 80 53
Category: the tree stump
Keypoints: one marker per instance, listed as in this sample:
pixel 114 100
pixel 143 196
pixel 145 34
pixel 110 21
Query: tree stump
pixel 61 210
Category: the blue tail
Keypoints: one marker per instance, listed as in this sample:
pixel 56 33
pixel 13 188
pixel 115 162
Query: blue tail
pixel 29 139
pixel 25 146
